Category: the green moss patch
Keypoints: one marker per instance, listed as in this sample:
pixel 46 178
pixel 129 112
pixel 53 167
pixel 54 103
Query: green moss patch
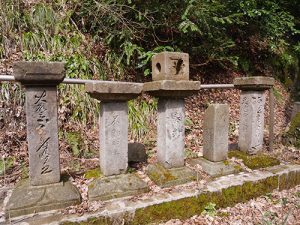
pixel 94 173
pixel 159 174
pixel 292 136
pixel 254 161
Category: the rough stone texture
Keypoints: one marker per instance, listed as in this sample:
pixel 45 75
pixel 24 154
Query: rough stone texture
pixel 215 132
pixel 113 137
pixel 251 121
pixel 296 109
pixel 27 199
pixel 215 169
pixel 178 203
pixel 170 66
pixel 113 91
pixel 136 152
pixel 170 177
pixel 254 83
pixel 39 73
pixel 42 134
pixel 170 132
pixel 171 88
pixel 116 187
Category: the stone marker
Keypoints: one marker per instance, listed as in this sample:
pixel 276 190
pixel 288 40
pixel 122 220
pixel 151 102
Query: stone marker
pixel 252 103
pixel 113 122
pixel 296 109
pixel 215 132
pixel 40 80
pixel 44 190
pixel 171 85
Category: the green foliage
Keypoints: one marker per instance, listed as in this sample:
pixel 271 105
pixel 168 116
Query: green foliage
pixel 6 164
pixel 210 209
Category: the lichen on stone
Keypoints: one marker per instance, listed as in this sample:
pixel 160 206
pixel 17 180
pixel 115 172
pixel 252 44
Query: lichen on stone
pixel 94 173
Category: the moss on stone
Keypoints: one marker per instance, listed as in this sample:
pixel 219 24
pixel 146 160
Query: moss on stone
pixel 159 174
pixel 292 136
pixel 254 161
pixel 94 173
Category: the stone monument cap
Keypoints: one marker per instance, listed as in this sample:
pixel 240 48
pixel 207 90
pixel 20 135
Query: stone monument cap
pixel 39 73
pixel 113 90
pixel 172 88
pixel 170 66
pixel 254 83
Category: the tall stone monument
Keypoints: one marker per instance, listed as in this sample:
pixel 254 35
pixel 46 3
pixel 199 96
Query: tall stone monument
pixel 44 190
pixel 252 103
pixel 113 136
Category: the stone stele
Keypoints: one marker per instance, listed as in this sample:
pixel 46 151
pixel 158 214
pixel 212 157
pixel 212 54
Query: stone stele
pixel 113 123
pixel 40 80
pixel 215 132
pixel 170 66
pixel 252 103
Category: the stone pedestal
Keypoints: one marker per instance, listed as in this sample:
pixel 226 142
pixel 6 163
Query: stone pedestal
pixel 44 190
pixel 252 103
pixel 215 132
pixel 113 122
pixel 170 72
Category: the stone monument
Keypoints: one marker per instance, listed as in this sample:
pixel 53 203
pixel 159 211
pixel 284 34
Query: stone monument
pixel 113 136
pixel 252 103
pixel 44 190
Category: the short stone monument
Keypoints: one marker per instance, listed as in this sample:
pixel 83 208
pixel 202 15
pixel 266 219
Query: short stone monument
pixel 44 190
pixel 113 135
pixel 252 102
pixel 170 74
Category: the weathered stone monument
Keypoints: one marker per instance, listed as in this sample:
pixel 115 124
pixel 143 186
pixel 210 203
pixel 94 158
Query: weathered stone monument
pixel 170 74
pixel 252 102
pixel 44 190
pixel 215 132
pixel 215 142
pixel 113 135
pixel 296 109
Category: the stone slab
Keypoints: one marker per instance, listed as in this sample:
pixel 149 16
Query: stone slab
pixel 136 152
pixel 170 132
pixel 254 83
pixel 39 73
pixel 116 187
pixel 170 177
pixel 172 88
pixel 27 199
pixel 113 129
pixel 215 169
pixel 42 134
pixel 296 109
pixel 251 125
pixel 113 91
pixel 215 132
pixel 170 66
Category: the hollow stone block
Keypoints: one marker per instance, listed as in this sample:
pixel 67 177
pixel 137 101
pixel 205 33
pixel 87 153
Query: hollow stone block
pixel 170 141
pixel 251 121
pixel 113 137
pixel 215 132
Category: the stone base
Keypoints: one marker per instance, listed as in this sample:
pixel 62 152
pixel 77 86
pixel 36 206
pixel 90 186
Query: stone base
pixel 116 187
pixel 215 169
pixel 27 199
pixel 170 177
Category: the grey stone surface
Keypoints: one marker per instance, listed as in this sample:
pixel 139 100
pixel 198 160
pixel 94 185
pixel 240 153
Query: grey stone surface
pixel 170 66
pixel 113 137
pixel 170 132
pixel 170 177
pixel 215 169
pixel 42 134
pixel 251 125
pixel 116 187
pixel 113 91
pixel 215 132
pixel 27 199
pixel 136 152
pixel 39 73
pixel 172 88
pixel 296 109
pixel 254 83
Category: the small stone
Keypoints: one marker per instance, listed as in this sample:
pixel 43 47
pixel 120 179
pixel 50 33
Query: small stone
pixel 215 132
pixel 296 109
pixel 136 152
